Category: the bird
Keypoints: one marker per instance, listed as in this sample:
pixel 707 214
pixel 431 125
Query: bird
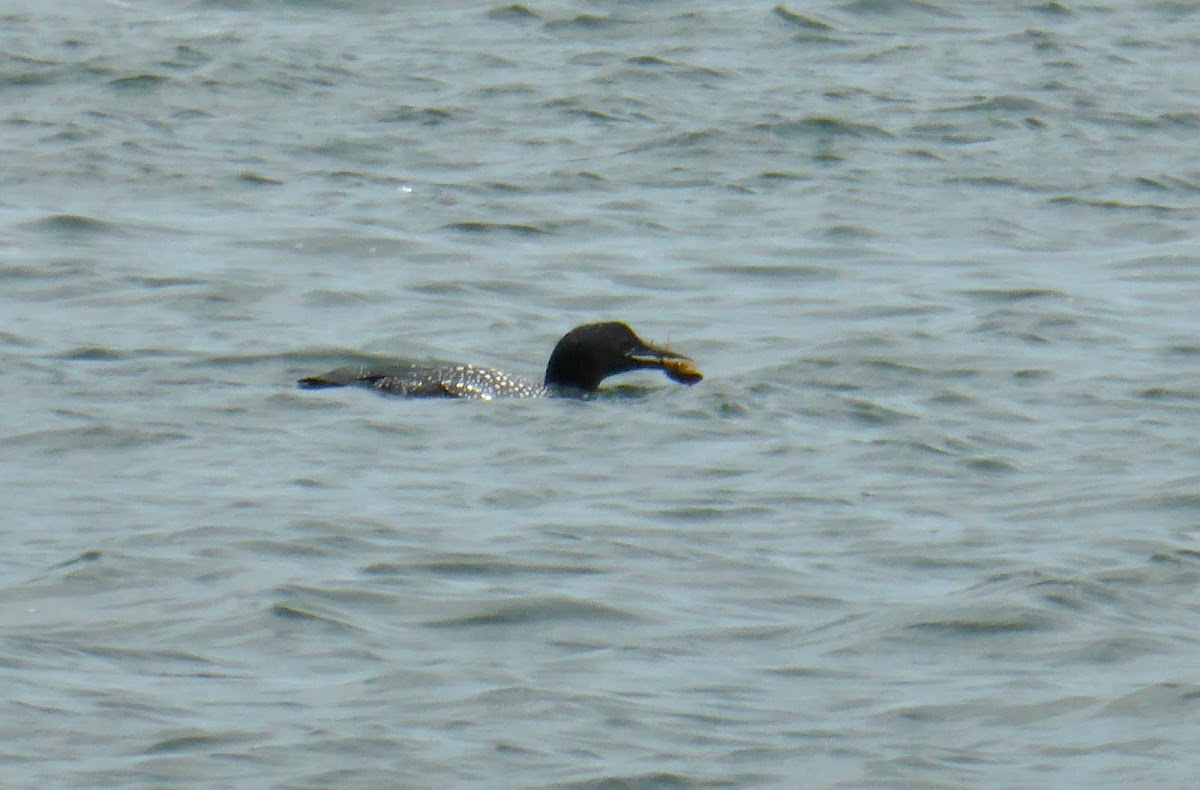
pixel 581 359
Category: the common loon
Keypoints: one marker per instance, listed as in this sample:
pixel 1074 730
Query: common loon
pixel 583 358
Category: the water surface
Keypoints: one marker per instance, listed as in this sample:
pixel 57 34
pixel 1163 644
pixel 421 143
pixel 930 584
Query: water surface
pixel 929 521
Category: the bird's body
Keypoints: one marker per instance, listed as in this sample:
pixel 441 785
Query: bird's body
pixel 458 381
pixel 583 358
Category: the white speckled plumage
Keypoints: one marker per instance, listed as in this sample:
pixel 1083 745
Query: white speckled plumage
pixel 460 381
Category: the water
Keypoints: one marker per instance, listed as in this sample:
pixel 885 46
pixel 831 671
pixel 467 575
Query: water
pixel 929 521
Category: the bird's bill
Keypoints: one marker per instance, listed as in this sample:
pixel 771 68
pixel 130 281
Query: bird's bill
pixel 677 367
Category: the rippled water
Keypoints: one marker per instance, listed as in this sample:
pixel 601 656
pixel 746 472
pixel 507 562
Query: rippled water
pixel 929 521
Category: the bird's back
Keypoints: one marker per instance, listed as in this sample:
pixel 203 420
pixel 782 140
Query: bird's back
pixel 450 381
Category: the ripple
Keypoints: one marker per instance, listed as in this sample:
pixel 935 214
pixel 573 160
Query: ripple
pixel 1169 394
pixel 297 614
pixel 75 225
pixel 1019 105
pixel 139 82
pixel 87 556
pixel 197 741
pixel 657 779
pixel 1160 701
pixel 513 13
pixel 1119 205
pixel 258 179
pixel 986 624
pixel 991 465
pixel 586 23
pixel 534 611
pixel 870 413
pixel 800 20
pixel 477 567
pixel 894 8
pixel 821 127
pixel 486 228
pixel 1011 295
pixel 93 354
pixel 423 116
pixel 787 272
pixel 93 439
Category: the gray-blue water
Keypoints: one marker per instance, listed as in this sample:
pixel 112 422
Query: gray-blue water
pixel 930 520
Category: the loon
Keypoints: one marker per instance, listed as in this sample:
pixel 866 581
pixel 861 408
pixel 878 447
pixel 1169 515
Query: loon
pixel 583 358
